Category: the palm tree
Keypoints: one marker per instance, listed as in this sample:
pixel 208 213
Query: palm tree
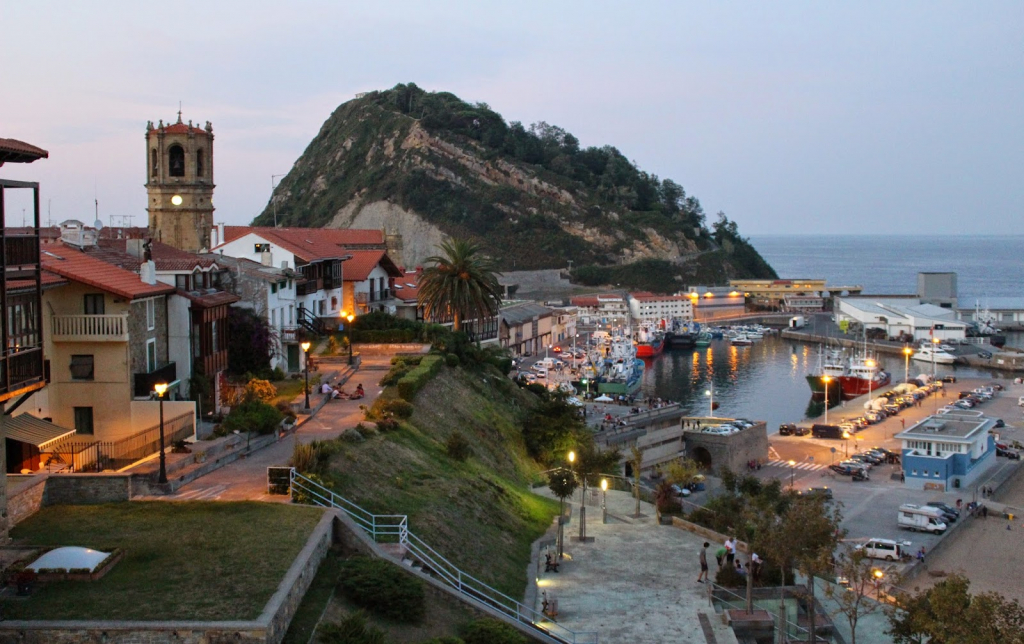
pixel 461 282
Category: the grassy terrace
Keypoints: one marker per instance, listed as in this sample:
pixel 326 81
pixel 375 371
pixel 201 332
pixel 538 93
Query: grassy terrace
pixel 194 561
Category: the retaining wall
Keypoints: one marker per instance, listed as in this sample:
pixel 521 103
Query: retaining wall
pixel 26 501
pixel 87 489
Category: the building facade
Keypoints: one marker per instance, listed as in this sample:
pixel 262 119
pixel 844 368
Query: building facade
pixel 179 184
pixel 660 310
pixel 947 451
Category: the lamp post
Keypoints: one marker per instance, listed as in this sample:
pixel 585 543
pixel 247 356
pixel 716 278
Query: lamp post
pixel 583 499
pixel 870 364
pixel 604 500
pixel 792 473
pixel 826 380
pixel 846 444
pixel 935 347
pixel 907 351
pixel 349 318
pixel 305 350
pixel 161 388
pixel 710 393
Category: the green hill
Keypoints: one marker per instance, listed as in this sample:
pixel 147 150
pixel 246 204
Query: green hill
pixel 425 165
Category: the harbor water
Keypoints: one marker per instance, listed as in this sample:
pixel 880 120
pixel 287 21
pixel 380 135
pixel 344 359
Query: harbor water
pixel 765 381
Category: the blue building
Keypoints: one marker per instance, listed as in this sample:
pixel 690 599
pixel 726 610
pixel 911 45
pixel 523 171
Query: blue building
pixel 947 451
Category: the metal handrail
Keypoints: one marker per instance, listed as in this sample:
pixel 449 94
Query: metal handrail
pixel 383 525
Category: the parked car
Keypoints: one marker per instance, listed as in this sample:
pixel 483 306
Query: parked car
pixel 1008 453
pixel 874 459
pixel 846 470
pixel 883 549
pixel 985 355
pixel 791 429
pixel 945 507
pixel 818 492
pixel 949 378
pixel 868 461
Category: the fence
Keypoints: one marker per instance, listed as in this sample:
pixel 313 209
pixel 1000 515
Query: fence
pixel 394 528
pixel 96 456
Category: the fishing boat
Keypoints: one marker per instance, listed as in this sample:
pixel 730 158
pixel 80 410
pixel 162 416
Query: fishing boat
pixel 616 369
pixel 831 363
pixel 650 342
pixel 863 375
pixel 740 340
pixel 703 339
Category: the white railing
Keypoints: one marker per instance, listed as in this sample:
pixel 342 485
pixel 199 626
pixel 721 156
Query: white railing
pixel 394 528
pixel 109 328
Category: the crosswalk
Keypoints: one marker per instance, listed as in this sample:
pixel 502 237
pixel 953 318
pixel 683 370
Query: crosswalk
pixel 805 466
pixel 201 494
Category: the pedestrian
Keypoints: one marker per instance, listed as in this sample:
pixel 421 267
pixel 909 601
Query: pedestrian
pixel 903 477
pixel 703 576
pixel 903 423
pixel 920 554
pixel 730 550
pixel 755 566
pixel 959 504
pixel 720 556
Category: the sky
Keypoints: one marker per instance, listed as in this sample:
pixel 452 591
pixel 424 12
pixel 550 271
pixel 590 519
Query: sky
pixel 791 117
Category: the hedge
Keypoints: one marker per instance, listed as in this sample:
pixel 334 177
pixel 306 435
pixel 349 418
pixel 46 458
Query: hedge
pixel 421 375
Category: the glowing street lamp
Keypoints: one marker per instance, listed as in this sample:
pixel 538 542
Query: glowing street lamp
pixel 349 318
pixel 870 364
pixel 792 472
pixel 161 388
pixel 907 352
pixel 604 500
pixel 305 350
pixel 710 393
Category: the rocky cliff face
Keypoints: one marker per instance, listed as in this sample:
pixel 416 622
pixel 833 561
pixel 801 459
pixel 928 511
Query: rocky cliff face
pixel 426 166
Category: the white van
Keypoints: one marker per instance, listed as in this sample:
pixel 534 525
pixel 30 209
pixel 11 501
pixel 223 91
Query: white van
pixel 882 549
pixel 921 517
pixel 540 371
pixel 547 363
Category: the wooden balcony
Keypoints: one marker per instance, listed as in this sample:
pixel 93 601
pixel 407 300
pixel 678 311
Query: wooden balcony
pixel 89 328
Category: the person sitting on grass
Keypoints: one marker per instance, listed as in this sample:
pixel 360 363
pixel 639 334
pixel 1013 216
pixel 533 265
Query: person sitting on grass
pixel 340 393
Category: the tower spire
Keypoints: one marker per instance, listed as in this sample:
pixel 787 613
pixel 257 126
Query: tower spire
pixel 179 111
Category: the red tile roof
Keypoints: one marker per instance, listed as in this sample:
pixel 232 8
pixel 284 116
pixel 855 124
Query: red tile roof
pixel 166 257
pixel 47 279
pixel 180 128
pixel 363 262
pixel 584 300
pixel 311 243
pixel 73 264
pixel 407 287
pixel 15 151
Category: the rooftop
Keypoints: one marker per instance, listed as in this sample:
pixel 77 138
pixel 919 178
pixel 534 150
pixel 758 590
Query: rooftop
pixel 363 262
pixel 71 263
pixel 311 244
pixel 15 151
pixel 954 427
pixel 519 313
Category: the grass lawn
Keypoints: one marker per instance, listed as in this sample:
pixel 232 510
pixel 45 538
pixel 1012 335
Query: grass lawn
pixel 194 561
pixel 287 389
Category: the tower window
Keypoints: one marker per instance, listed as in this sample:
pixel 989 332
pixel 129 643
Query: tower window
pixel 152 162
pixel 176 161
pixel 199 163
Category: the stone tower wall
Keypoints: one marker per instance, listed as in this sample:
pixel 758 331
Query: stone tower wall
pixel 189 176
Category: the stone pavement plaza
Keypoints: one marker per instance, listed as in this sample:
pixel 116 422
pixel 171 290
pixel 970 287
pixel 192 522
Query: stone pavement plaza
pixel 636 582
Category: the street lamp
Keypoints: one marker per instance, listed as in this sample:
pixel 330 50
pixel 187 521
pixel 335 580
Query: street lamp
pixel 935 347
pixel 583 499
pixel 792 472
pixel 161 388
pixel 846 444
pixel 604 500
pixel 710 393
pixel 870 364
pixel 907 351
pixel 826 380
pixel 305 349
pixel 349 317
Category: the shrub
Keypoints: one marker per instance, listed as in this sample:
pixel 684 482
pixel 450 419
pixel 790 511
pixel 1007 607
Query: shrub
pixel 421 375
pixel 540 390
pixel 387 424
pixel 729 578
pixel 664 498
pixel 394 407
pixel 491 631
pixel 451 360
pixel 313 457
pixel 458 447
pixel 352 630
pixel 253 416
pixel 383 589
pixel 277 373
pixel 332 346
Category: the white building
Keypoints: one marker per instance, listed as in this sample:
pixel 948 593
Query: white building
pixel 905 317
pixel 660 309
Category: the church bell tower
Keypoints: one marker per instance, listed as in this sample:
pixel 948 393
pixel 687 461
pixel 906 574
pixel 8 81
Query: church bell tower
pixel 179 184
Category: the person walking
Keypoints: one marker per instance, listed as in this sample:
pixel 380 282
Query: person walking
pixel 703 576
pixel 755 566
pixel 730 550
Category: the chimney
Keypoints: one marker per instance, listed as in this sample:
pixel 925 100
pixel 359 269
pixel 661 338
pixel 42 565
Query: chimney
pixel 267 258
pixel 134 248
pixel 147 272
pixel 284 265
pixel 220 233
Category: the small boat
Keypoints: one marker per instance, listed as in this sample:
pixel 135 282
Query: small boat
pixel 927 353
pixel 703 339
pixel 741 340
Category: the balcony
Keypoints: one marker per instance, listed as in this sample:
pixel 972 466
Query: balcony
pixel 144 382
pixel 309 286
pixel 89 328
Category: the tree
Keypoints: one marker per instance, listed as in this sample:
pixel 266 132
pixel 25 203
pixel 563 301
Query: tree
pixel 861 578
pixel 948 614
pixel 461 283
pixel 250 342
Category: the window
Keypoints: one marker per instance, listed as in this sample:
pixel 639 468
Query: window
pixel 94 304
pixel 152 162
pixel 150 314
pixel 262 248
pixel 176 161
pixel 291 315
pixel 183 282
pixel 83 420
pixel 150 356
pixel 82 367
pixel 199 162
pixel 273 287
pixel 273 317
pixel 322 302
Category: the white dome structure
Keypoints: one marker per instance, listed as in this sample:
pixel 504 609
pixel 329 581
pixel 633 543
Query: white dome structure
pixel 69 558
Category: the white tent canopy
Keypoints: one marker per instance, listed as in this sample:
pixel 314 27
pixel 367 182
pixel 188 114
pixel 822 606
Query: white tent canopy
pixel 603 398
pixel 69 558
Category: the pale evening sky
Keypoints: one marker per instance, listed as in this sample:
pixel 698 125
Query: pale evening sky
pixel 792 117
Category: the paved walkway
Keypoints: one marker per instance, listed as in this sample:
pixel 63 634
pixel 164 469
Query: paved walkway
pixel 636 583
pixel 246 478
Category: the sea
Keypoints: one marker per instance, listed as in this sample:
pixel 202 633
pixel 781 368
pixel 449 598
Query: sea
pixel 767 381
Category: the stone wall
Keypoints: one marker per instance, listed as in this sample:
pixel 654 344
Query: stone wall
pixel 732 451
pixel 139 332
pixel 87 489
pixel 26 501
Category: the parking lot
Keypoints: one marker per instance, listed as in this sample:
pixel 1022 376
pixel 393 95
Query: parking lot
pixel 870 507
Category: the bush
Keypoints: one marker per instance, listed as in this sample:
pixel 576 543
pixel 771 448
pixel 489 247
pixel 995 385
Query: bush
pixel 278 374
pixel 285 408
pixel 491 631
pixel 451 360
pixel 729 578
pixel 458 447
pixel 387 425
pixel 333 346
pixel 312 458
pixel 253 416
pixel 352 630
pixel 383 589
pixel 421 375
pixel 254 390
